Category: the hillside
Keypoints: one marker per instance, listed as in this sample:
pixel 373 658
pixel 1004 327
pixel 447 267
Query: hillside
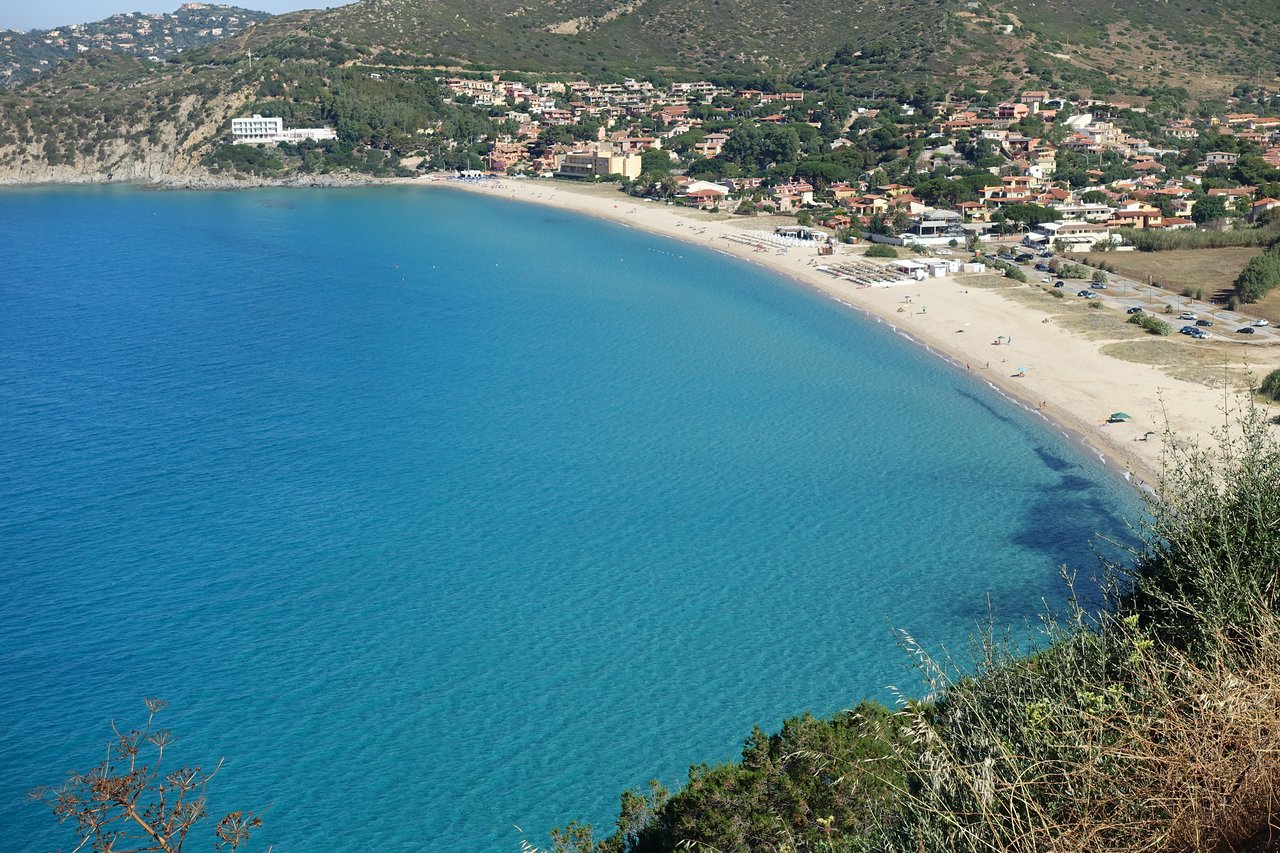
pixel 98 114
pixel 1185 43
pixel 680 37
pixel 24 55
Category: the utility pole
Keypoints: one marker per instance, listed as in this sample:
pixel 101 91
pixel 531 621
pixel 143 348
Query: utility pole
pixel 250 59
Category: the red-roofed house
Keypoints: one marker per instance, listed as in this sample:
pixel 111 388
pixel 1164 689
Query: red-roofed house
pixel 1261 207
pixel 1013 111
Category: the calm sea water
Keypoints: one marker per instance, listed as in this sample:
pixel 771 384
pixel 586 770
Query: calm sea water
pixel 435 514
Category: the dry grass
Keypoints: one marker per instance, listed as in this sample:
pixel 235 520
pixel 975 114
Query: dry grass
pixel 990 281
pixel 1268 307
pixel 1100 325
pixel 1171 755
pixel 1215 367
pixel 1213 270
pixel 1070 313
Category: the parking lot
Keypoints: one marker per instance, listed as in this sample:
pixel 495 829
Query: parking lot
pixel 1214 322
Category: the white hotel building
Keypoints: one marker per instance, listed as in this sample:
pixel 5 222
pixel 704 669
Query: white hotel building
pixel 270 130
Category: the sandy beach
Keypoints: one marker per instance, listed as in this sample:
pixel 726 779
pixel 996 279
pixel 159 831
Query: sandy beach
pixel 1051 359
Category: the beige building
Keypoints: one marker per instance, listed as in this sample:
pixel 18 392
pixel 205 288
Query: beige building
pixel 598 161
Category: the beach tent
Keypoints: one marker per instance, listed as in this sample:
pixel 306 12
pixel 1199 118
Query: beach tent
pixel 1119 416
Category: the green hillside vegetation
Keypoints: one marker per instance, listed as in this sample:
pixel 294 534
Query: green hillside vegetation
pixel 307 66
pixel 95 104
pixel 603 36
pixel 1242 36
pixel 1146 726
pixel 109 106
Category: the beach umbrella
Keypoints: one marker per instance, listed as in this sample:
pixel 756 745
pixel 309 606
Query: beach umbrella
pixel 1120 416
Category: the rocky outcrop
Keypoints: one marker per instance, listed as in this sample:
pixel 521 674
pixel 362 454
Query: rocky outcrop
pixel 135 152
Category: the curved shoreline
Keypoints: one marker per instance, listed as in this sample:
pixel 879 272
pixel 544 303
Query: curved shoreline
pixel 1074 381
pixel 1128 471
pixel 1059 395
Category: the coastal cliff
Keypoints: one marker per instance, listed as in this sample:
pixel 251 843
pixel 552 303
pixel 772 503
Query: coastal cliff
pixel 158 129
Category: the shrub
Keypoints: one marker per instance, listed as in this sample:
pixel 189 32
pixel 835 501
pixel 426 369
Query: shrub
pixel 1259 277
pixel 1146 240
pixel 881 250
pixel 1152 324
pixel 1270 386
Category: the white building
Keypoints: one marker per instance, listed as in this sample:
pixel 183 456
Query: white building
pixel 256 129
pixel 270 130
pixel 1079 236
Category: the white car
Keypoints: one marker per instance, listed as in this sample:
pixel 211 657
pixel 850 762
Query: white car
pixel 1261 323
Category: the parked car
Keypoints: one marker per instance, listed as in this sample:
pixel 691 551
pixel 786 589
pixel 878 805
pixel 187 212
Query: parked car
pixel 1042 267
pixel 1058 283
pixel 1097 285
pixel 1134 310
pixel 1204 322
pixel 1261 323
pixel 1089 294
pixel 1201 334
pixel 1187 330
pixel 1022 259
pixel 1186 315
pixel 1082 293
pixel 1247 330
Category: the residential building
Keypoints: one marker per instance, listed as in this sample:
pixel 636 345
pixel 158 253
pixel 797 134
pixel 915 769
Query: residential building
pixel 1220 158
pixel 256 129
pixel 1080 236
pixel 1012 111
pixel 269 130
pixel 598 161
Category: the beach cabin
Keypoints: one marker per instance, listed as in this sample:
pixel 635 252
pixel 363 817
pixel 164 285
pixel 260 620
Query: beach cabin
pixel 912 269
pixel 937 267
pixel 801 232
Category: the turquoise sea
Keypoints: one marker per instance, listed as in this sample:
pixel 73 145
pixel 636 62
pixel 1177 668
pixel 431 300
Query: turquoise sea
pixel 437 514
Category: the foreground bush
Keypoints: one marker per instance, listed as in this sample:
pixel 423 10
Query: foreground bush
pixel 1270 386
pixel 881 250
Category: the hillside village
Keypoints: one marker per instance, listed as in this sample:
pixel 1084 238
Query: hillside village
pixel 1067 169
pixel 24 55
